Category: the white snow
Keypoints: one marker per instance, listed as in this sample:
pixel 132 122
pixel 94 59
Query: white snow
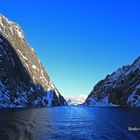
pixel 133 67
pixel 1 40
pixel 138 86
pixel 133 101
pixel 36 102
pixel 117 74
pixel 102 103
pixel 52 87
pixel 34 67
pixel 22 55
pixel 19 31
pixel 134 98
pixel 49 97
pixel 31 89
pixel 1 21
pixel 57 94
pixel 49 89
pixel 11 26
pixel 2 86
pixel 32 49
pixel 42 78
pixel 16 100
pixel 75 100
pixel 12 61
pixel 3 50
pixel 20 106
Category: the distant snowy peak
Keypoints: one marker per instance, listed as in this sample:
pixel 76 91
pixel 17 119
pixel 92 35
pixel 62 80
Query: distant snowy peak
pixel 76 100
pixel 121 88
pixel 24 81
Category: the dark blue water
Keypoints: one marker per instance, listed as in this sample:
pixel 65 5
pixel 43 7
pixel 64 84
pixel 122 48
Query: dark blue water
pixel 70 123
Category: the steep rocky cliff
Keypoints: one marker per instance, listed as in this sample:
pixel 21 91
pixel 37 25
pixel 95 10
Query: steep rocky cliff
pixel 121 88
pixel 23 79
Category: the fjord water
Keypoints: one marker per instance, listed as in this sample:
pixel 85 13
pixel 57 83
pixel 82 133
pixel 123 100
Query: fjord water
pixel 69 123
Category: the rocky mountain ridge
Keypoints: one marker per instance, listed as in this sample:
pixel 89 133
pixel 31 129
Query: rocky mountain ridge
pixel 24 81
pixel 121 88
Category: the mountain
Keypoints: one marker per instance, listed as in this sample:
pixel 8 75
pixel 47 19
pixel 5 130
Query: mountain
pixel 121 88
pixel 23 79
pixel 75 100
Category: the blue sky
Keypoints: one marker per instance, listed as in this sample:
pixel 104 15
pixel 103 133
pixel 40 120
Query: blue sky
pixel 79 41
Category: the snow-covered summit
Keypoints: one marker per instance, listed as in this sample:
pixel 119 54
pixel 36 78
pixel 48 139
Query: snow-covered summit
pixel 75 100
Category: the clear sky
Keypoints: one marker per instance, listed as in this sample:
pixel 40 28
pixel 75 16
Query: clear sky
pixel 79 41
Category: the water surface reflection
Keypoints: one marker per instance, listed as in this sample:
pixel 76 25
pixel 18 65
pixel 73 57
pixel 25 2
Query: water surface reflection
pixel 69 123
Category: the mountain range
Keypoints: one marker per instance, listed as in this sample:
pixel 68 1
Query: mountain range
pixel 75 100
pixel 24 81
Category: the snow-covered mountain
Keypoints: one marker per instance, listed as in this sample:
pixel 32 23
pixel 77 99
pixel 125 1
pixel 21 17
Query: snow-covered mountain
pixel 23 79
pixel 121 88
pixel 76 100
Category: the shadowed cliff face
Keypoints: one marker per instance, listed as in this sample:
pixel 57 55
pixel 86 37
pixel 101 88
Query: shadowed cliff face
pixel 23 79
pixel 121 88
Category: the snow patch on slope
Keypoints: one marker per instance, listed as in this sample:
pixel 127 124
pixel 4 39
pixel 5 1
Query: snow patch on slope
pixel 1 40
pixel 134 98
pixel 34 67
pixel 102 103
pixel 12 27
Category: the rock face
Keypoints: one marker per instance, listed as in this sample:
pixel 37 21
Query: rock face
pixel 23 79
pixel 121 88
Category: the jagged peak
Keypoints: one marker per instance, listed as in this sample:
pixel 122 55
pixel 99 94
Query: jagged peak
pixel 119 72
pixel 5 18
pixel 126 69
pixel 12 26
pixel 137 61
